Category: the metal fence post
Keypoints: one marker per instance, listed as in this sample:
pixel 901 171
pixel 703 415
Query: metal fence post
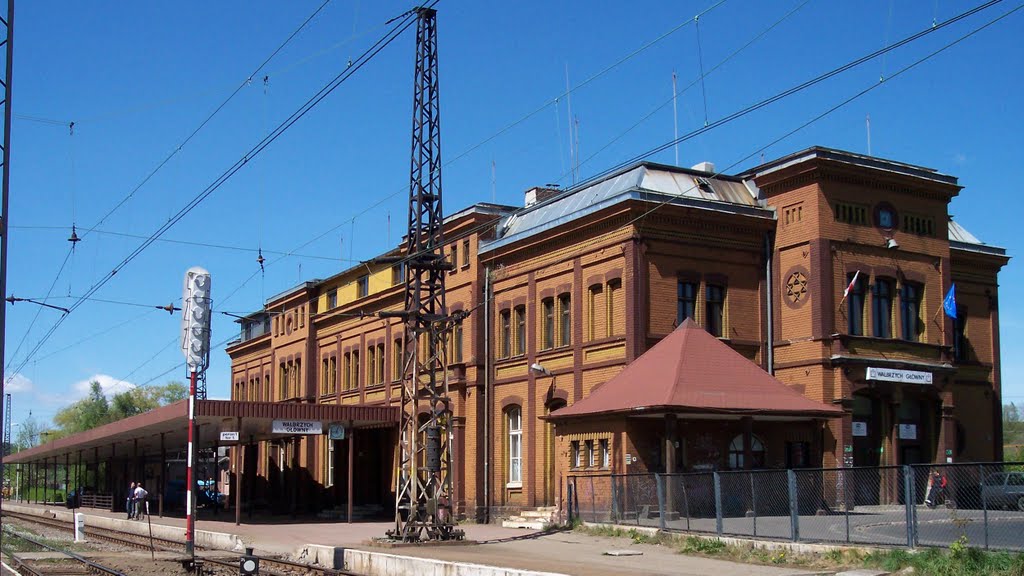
pixel 844 473
pixel 686 502
pixel 661 498
pixel 593 501
pixel 794 507
pixel 718 502
pixel 753 501
pixel 984 501
pixel 908 503
pixel 569 491
pixel 615 498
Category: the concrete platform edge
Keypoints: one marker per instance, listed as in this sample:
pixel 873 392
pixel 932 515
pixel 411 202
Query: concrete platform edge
pixel 373 563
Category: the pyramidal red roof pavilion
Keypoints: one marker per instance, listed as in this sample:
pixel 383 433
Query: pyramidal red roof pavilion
pixel 692 371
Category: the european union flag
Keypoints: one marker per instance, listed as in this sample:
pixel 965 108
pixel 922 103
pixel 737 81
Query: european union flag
pixel 949 304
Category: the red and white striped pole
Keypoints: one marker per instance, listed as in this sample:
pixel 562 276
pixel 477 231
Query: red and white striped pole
pixel 190 519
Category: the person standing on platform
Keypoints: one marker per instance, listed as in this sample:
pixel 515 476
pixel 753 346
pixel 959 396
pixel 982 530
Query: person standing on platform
pixel 140 500
pixel 129 503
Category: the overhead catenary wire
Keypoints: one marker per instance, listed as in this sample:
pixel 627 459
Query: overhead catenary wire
pixel 733 116
pixel 208 118
pixel 874 86
pixel 311 103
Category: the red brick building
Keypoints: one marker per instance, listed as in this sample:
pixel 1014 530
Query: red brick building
pixel 567 291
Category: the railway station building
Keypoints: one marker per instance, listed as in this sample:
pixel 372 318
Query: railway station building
pixel 657 319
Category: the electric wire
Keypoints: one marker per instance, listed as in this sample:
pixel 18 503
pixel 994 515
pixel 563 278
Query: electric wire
pixel 804 125
pixel 208 118
pixel 715 124
pixel 332 85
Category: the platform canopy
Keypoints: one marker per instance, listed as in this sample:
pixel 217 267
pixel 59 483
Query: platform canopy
pixel 694 373
pixel 166 428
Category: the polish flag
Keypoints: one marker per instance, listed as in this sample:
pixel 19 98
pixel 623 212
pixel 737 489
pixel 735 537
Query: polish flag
pixel 852 283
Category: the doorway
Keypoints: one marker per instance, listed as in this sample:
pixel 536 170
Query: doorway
pixel 551 480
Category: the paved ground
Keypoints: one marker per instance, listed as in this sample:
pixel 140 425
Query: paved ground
pixel 561 552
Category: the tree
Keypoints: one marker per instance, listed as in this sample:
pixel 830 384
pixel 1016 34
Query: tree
pixel 95 410
pixel 28 433
pixel 1013 426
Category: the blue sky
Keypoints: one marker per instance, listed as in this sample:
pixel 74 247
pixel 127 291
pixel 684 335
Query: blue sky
pixel 137 78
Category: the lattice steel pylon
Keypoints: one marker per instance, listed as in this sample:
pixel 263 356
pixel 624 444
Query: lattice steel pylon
pixel 424 484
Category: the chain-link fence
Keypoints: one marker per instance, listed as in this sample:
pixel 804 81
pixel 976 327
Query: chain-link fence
pixel 919 505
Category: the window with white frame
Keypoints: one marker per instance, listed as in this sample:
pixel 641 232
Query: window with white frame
pixel 515 446
pixel 606 456
pixel 591 455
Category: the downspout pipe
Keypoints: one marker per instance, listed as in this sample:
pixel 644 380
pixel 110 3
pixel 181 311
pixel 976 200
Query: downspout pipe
pixel 487 394
pixel 769 299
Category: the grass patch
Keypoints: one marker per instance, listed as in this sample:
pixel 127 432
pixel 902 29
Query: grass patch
pixel 959 560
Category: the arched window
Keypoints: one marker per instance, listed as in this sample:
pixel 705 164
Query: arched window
pixel 514 425
pixel 736 461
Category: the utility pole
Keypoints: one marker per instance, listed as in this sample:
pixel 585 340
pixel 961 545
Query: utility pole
pixel 424 507
pixel 7 42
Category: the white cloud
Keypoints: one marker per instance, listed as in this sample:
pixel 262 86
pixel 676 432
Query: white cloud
pixel 108 384
pixel 959 158
pixel 17 384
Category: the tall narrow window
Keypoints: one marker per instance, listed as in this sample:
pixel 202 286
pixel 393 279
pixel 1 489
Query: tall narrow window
pixel 615 316
pixel 505 338
pixel 855 312
pixel 960 348
pixel 346 369
pixel 465 253
pixel 398 273
pixel 594 331
pixel 910 311
pixel 380 363
pixel 282 382
pixel 397 361
pixel 266 388
pixel 332 299
pixel 548 315
pixel 515 445
pixel 606 456
pixel 457 343
pixel 297 380
pixel 686 301
pixel 363 286
pixel 355 369
pixel 333 376
pixel 520 330
pixel 715 310
pixel 591 455
pixel 881 309
pixel 454 257
pixel 575 458
pixel 565 317
pixel 371 364
pixel 324 370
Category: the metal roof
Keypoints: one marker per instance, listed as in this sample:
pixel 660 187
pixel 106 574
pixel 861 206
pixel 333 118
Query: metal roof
pixel 645 181
pixel 960 238
pixel 692 371
pixel 167 426
pixel 842 156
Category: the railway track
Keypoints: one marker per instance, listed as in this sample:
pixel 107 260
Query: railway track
pixel 69 564
pixel 104 535
pixel 210 566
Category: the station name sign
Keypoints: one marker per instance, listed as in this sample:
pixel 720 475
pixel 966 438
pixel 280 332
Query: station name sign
pixel 905 376
pixel 298 427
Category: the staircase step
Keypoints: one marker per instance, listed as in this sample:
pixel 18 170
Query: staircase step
pixel 535 525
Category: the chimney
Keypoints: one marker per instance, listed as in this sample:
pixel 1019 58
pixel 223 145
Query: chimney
pixel 540 194
pixel 705 167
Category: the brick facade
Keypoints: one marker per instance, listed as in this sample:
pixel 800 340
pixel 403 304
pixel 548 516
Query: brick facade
pixel 593 290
